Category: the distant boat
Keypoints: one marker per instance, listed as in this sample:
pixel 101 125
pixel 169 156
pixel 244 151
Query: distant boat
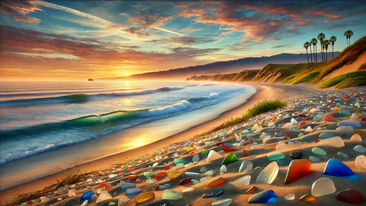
pixel 90 79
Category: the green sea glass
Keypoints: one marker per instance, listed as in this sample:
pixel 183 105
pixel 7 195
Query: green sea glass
pixel 275 156
pixel 204 152
pixel 230 158
pixel 326 135
pixel 179 161
pixel 318 151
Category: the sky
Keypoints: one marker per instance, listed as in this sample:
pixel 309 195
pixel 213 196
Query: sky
pixel 75 40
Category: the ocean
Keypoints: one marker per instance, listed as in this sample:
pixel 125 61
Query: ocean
pixel 41 117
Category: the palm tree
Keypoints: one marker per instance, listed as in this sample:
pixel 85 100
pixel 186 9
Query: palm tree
pixel 348 35
pixel 306 45
pixel 326 43
pixel 321 36
pixel 332 40
pixel 314 42
pixel 311 53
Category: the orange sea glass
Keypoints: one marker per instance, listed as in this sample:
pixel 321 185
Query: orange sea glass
pixel 227 149
pixel 160 174
pixel 308 198
pixel 189 149
pixel 329 118
pixel 216 182
pixel 360 132
pixel 297 169
pixel 102 185
pixel 174 175
pixel 133 177
pixel 250 190
pixel 245 153
pixel 166 168
pixel 144 197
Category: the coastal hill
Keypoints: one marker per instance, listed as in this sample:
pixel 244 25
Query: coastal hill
pixel 222 67
pixel 345 69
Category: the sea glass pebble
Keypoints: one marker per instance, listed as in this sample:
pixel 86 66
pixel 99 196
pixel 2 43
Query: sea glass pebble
pixel 223 169
pixel 104 195
pixel 326 135
pixel 350 196
pixel 212 194
pixel 245 166
pixel 144 197
pixel 185 181
pixel 230 158
pixel 245 153
pixel 322 186
pixel 262 197
pixel 159 175
pixel 71 193
pixel 189 189
pixel 174 175
pixel 296 154
pixel 329 117
pixel 313 159
pixel 87 195
pixel 349 123
pixel 126 186
pixel 204 152
pixel 216 182
pixel 290 196
pixel 334 167
pixel 297 169
pixel 133 191
pixel 213 156
pixel 336 141
pixel 318 151
pixel 359 148
pixel 192 174
pixel 84 203
pixel 308 198
pixel 275 156
pixel 268 174
pixel 44 199
pixel 203 169
pixel 342 155
pixel 227 149
pixel 245 180
pixel 356 138
pixel 250 190
pixel 169 194
pixel 223 202
pixel 210 172
pixel 122 201
pixel 360 161
pixel 345 129
pixel 179 161
pixel 195 158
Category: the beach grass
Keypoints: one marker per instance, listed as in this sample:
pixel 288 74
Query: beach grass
pixel 362 67
pixel 69 179
pixel 351 79
pixel 307 77
pixel 259 108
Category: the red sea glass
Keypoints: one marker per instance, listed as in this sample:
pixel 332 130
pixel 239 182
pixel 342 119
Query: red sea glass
pixel 185 181
pixel 227 149
pixel 350 196
pixel 250 190
pixel 245 153
pixel 160 174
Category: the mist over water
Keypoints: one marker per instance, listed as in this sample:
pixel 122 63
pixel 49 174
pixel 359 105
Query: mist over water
pixel 37 117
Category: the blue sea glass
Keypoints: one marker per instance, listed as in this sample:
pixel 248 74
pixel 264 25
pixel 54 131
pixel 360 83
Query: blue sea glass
pixel 262 197
pixel 335 167
pixel 349 123
pixel 87 195
pixel 133 191
pixel 212 194
pixel 126 186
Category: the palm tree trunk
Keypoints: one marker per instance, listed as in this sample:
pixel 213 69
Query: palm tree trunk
pixel 307 56
pixel 332 51
pixel 326 55
pixel 316 54
pixel 311 57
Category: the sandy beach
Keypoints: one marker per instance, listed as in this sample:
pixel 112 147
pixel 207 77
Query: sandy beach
pixel 299 126
pixel 263 92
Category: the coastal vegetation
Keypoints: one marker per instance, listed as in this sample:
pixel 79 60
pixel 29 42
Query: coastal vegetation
pixel 351 59
pixel 259 108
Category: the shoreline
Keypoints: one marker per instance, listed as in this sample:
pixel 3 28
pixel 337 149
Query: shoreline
pixel 263 92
